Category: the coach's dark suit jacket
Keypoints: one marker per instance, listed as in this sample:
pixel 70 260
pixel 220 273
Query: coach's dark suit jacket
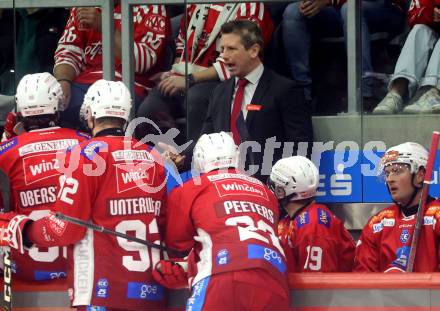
pixel 283 114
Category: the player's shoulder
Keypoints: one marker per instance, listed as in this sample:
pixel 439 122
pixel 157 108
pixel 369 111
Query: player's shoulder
pixel 90 148
pixel 321 215
pixel 435 203
pixel 8 145
pixel 384 218
pixel 186 182
pixel 433 208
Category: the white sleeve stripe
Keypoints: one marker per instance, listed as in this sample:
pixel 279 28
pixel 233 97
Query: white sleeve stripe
pixel 243 9
pixel 146 62
pixel 222 71
pixel 74 62
pixel 261 12
pixel 69 54
pixel 140 61
pixel 136 56
pixel 141 58
pixel 253 8
pixel 155 9
pixel 226 73
pixel 71 57
pixel 71 48
pixel 151 57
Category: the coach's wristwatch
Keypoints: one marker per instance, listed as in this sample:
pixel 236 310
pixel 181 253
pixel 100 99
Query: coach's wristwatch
pixel 191 80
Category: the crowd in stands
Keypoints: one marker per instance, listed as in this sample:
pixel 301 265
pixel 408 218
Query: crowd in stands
pixel 181 93
pixel 224 218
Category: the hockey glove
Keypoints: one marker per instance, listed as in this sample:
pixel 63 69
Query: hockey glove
pixel 12 127
pixel 5 218
pixel 15 231
pixel 8 129
pixel 171 274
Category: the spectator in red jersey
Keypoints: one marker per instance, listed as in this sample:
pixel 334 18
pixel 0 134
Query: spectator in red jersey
pixel 385 243
pixel 118 184
pixel 205 67
pixel 78 58
pixel 416 75
pixel 228 219
pixel 314 240
pixel 29 163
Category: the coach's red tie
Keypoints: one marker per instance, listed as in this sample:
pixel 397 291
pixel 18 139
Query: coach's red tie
pixel 236 109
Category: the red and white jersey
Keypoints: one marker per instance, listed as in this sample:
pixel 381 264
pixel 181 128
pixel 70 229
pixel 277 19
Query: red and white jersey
pixel 230 221
pixel 386 241
pixel 203 31
pixel 315 240
pixel 118 184
pixel 422 12
pixel 30 162
pixel 82 48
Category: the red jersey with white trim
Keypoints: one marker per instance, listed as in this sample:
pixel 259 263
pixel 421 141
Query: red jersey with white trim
pixel 422 12
pixel 203 31
pixel 118 184
pixel 315 240
pixel 82 48
pixel 229 220
pixel 30 162
pixel 386 240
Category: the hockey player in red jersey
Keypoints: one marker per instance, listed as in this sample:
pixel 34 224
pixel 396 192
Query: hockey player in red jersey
pixel 28 163
pixel 313 238
pixel 384 245
pixel 117 184
pixel 78 58
pixel 228 219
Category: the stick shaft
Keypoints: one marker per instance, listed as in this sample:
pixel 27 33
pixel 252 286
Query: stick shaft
pixel 5 184
pixel 422 201
pixel 7 279
pixel 102 229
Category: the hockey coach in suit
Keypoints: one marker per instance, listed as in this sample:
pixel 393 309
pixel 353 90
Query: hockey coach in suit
pixel 257 104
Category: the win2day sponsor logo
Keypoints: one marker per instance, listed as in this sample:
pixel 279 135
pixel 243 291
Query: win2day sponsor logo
pixel 134 175
pixel 234 187
pixel 39 167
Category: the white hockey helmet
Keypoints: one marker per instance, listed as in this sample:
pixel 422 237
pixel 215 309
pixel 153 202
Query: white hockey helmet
pixel 106 99
pixel 413 154
pixel 215 151
pixel 295 177
pixel 38 94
